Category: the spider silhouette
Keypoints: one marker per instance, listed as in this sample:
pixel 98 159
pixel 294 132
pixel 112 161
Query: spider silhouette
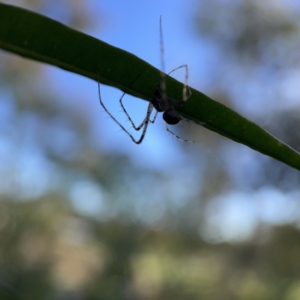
pixel 160 102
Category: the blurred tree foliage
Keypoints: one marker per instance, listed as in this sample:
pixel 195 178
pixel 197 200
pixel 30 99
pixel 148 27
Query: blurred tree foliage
pixel 48 251
pixel 145 240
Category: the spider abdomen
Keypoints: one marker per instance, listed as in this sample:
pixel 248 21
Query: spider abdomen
pixel 171 116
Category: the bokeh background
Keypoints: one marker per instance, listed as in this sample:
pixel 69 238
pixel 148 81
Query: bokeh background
pixel 87 214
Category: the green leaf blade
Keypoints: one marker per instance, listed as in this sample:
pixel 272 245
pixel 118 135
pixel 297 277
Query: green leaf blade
pixel 37 37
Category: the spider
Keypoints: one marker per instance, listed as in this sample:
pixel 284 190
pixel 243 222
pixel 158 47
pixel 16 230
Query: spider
pixel 160 101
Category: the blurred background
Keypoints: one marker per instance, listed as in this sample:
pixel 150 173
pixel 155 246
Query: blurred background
pixel 87 214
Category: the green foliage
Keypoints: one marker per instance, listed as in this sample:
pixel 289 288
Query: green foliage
pixel 42 39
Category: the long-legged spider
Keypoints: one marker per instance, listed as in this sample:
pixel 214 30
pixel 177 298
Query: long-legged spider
pixel 160 101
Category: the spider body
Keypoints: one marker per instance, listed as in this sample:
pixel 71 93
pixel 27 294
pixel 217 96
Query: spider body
pixel 162 104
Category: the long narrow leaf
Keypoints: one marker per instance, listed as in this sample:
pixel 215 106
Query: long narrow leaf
pixel 37 37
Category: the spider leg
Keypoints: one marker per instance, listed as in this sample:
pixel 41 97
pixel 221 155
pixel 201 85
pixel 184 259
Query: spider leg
pixel 178 137
pixel 137 128
pixel 144 123
pixel 154 118
pixel 186 93
pixel 162 85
